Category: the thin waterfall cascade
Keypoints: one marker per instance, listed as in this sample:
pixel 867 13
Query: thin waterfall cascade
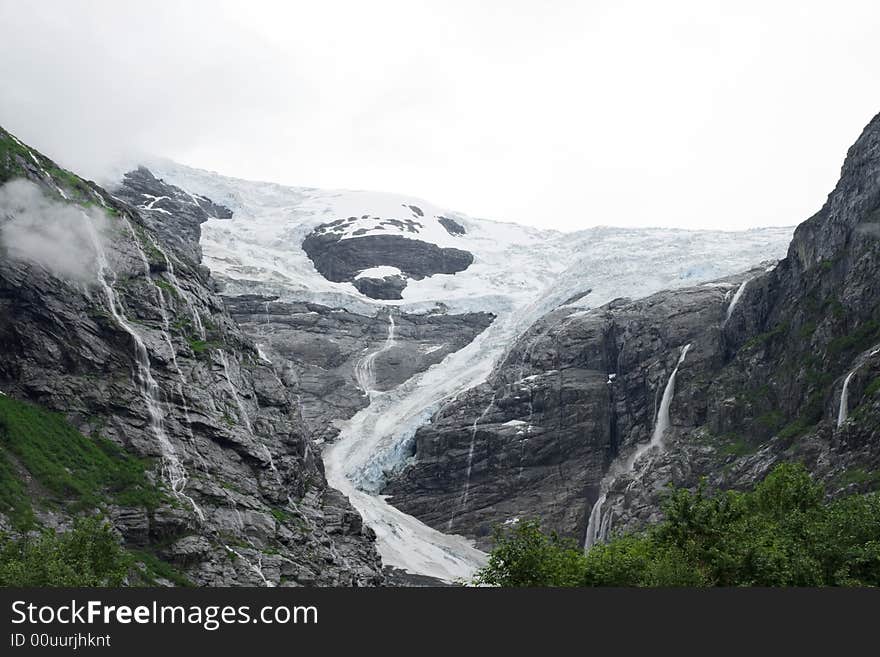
pixel 166 323
pixel 736 297
pixel 470 461
pixel 594 533
pixel 243 414
pixel 599 523
pixel 262 354
pixel 174 472
pixel 172 276
pixel 663 419
pixel 843 411
pixel 257 567
pixel 58 189
pixel 364 370
pixel 245 417
pixel 265 335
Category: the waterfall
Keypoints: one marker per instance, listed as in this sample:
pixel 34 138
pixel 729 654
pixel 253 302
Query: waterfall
pixel 174 471
pixel 242 413
pixel 169 271
pixel 255 567
pixel 262 354
pixel 60 191
pixel 477 422
pixel 599 523
pixel 594 525
pixel 364 371
pixel 245 418
pixel 735 300
pixel 527 351
pixel 163 309
pixel 844 399
pixel 470 462
pixel 661 424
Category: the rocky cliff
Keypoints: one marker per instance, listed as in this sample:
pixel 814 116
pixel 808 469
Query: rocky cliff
pixel 783 363
pixel 321 351
pixel 379 255
pixel 109 319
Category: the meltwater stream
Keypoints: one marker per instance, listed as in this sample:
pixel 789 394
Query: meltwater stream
pixel 172 467
pixel 365 369
pixel 377 437
pixel 599 522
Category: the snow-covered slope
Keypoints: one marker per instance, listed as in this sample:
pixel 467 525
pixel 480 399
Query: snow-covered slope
pixel 518 273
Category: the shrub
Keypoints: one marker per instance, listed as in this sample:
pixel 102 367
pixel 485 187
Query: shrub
pixel 87 555
pixel 779 534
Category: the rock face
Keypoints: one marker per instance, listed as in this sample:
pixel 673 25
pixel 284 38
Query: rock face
pixel 452 226
pixel 317 351
pixel 244 499
pixel 180 213
pixel 575 391
pixel 344 248
pixel 554 427
pixel 780 362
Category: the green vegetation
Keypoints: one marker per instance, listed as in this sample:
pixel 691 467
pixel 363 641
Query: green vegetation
pixel 72 468
pixel 873 387
pixel 859 476
pixel 763 338
pixel 154 568
pixel 836 308
pixel 780 534
pixel 200 347
pixel 771 420
pixel 861 338
pixel 795 428
pixel 806 331
pixel 165 286
pixel 75 187
pixel 87 555
pixel 736 445
pixel 14 499
pixel 9 152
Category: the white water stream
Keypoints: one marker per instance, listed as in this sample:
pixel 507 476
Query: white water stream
pixel 600 522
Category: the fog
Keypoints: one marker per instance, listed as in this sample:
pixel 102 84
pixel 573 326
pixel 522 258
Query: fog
pixel 48 233
pixel 564 114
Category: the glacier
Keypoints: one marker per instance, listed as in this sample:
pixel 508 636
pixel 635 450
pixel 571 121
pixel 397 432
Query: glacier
pixel 519 273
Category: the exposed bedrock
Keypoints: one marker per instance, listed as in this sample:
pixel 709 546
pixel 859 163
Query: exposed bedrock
pixel 784 364
pixel 341 260
pixel 575 391
pixel 316 350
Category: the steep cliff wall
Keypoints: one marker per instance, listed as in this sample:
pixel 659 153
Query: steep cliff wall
pixel 136 349
pixel 556 427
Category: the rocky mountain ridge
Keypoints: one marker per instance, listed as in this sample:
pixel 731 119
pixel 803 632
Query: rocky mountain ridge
pixel 502 381
pixel 782 363
pixel 141 352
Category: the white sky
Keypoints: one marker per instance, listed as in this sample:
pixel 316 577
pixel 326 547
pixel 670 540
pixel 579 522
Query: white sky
pixel 551 113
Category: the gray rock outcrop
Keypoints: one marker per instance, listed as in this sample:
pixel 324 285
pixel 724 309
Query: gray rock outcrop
pixel 243 499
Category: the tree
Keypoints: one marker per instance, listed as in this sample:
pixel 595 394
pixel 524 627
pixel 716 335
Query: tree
pixel 779 534
pixel 87 555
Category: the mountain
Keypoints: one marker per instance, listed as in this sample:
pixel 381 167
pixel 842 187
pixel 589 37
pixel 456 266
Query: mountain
pixel 129 388
pixel 592 414
pixel 261 384
pixel 372 369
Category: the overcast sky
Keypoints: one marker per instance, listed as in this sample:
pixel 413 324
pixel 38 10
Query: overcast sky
pixel 552 113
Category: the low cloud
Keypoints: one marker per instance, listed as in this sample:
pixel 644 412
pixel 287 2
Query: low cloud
pixel 54 235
